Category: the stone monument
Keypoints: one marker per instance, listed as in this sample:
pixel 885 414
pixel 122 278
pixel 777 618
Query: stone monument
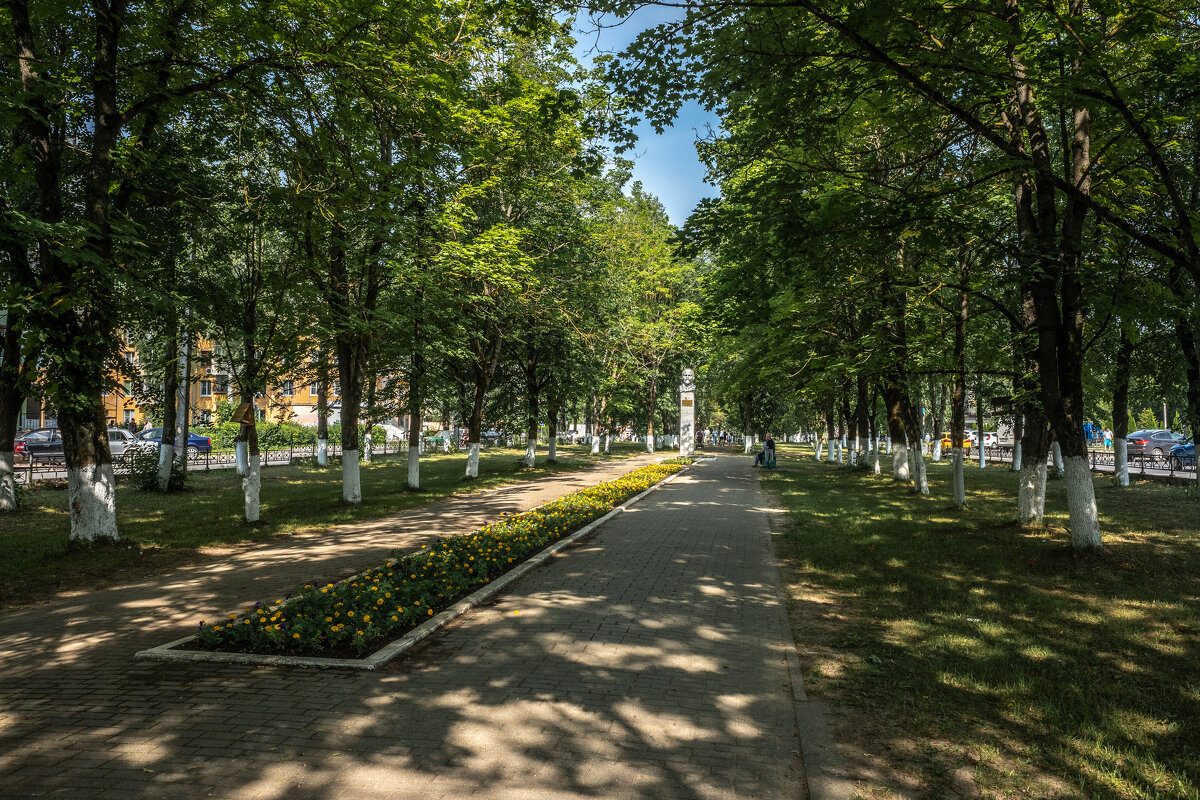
pixel 687 414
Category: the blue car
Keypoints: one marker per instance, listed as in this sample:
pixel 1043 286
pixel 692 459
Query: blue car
pixel 1183 455
pixel 196 444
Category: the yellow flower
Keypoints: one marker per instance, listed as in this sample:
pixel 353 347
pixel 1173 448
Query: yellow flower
pixel 295 636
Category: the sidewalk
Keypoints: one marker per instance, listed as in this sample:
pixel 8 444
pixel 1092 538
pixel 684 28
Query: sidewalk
pixel 649 662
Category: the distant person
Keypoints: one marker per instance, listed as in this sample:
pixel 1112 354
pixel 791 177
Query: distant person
pixel 1108 438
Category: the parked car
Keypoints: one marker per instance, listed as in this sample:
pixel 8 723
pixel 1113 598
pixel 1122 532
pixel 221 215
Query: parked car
pixel 41 444
pixel 948 444
pixel 196 444
pixel 1183 455
pixel 1152 443
pixel 491 437
pixel 124 444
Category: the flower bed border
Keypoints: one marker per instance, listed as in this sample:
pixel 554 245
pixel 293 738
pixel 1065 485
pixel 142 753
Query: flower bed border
pixel 375 660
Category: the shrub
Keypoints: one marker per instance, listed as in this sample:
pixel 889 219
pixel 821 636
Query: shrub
pixel 143 472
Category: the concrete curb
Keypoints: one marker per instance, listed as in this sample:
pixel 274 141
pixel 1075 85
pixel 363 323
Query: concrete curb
pixel 167 652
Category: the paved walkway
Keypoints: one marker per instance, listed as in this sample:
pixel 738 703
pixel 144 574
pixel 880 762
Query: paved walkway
pixel 651 661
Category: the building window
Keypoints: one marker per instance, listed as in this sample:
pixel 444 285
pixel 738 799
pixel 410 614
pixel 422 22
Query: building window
pixel 287 389
pixel 206 388
pixel 128 415
pixel 205 417
pixel 128 388
pixel 314 388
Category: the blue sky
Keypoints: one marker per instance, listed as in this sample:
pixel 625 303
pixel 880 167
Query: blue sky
pixel 666 163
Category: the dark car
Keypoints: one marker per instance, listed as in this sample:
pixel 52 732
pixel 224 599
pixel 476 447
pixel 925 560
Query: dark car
pixel 195 446
pixel 1183 456
pixel 1151 443
pixel 42 444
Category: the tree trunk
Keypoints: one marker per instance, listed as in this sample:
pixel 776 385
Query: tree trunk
pixel 252 482
pixel 183 424
pixel 552 412
pixel 322 410
pixel 91 486
pixel 1120 411
pixel 14 383
pixel 166 450
pixel 650 406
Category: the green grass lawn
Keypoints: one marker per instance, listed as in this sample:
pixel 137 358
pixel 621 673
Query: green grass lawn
pixel 161 531
pixel 958 645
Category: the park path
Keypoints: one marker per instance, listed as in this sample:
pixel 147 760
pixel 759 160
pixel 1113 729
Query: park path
pixel 650 661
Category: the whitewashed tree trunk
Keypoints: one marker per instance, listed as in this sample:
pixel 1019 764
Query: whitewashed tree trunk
pixel 323 452
pixel 607 441
pixel 445 444
pixel 838 451
pixel 8 483
pixel 1121 462
pixel 1059 469
pixel 367 449
pixel 239 454
pixel 960 483
pixel 1031 493
pixel 472 459
pixel 166 458
pixel 889 445
pixel 351 485
pixel 595 445
pixel 818 446
pixel 900 469
pixel 937 451
pixel 877 467
pixel 92 498
pixel 553 449
pixel 982 454
pixel 414 467
pixel 649 444
pixel 1081 504
pixel 251 486
pixel 922 479
pixel 1016 465
pixel 748 444
pixel 530 458
pixel 829 451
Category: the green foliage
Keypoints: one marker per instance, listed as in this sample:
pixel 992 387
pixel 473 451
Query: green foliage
pixel 143 472
pixel 1147 419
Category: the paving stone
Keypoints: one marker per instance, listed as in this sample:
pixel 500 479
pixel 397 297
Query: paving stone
pixel 647 662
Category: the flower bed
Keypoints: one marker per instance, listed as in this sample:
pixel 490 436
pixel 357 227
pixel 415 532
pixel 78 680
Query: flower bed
pixel 358 614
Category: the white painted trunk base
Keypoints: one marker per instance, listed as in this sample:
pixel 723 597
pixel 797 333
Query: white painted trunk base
pixel 1081 503
pixel 1056 449
pixel 607 441
pixel 877 467
pixel 1031 493
pixel 1016 462
pixel 166 457
pixel 748 444
pixel 649 444
pixel 323 452
pixel 553 448
pixel 239 453
pixel 92 492
pixel 959 480
pixel 937 451
pixel 889 445
pixel 840 452
pixel 472 459
pixel 351 484
pixel 251 485
pixel 8 483
pixel 530 458
pixel 920 476
pixel 900 469
pixel 817 447
pixel 414 467
pixel 367 449
pixel 1121 459
pixel 829 455
pixel 595 445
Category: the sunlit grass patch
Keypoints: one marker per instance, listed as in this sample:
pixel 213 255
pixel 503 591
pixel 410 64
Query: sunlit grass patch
pixel 971 643
pixel 161 531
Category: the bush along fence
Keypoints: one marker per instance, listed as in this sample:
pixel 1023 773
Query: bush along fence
pixel 362 613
